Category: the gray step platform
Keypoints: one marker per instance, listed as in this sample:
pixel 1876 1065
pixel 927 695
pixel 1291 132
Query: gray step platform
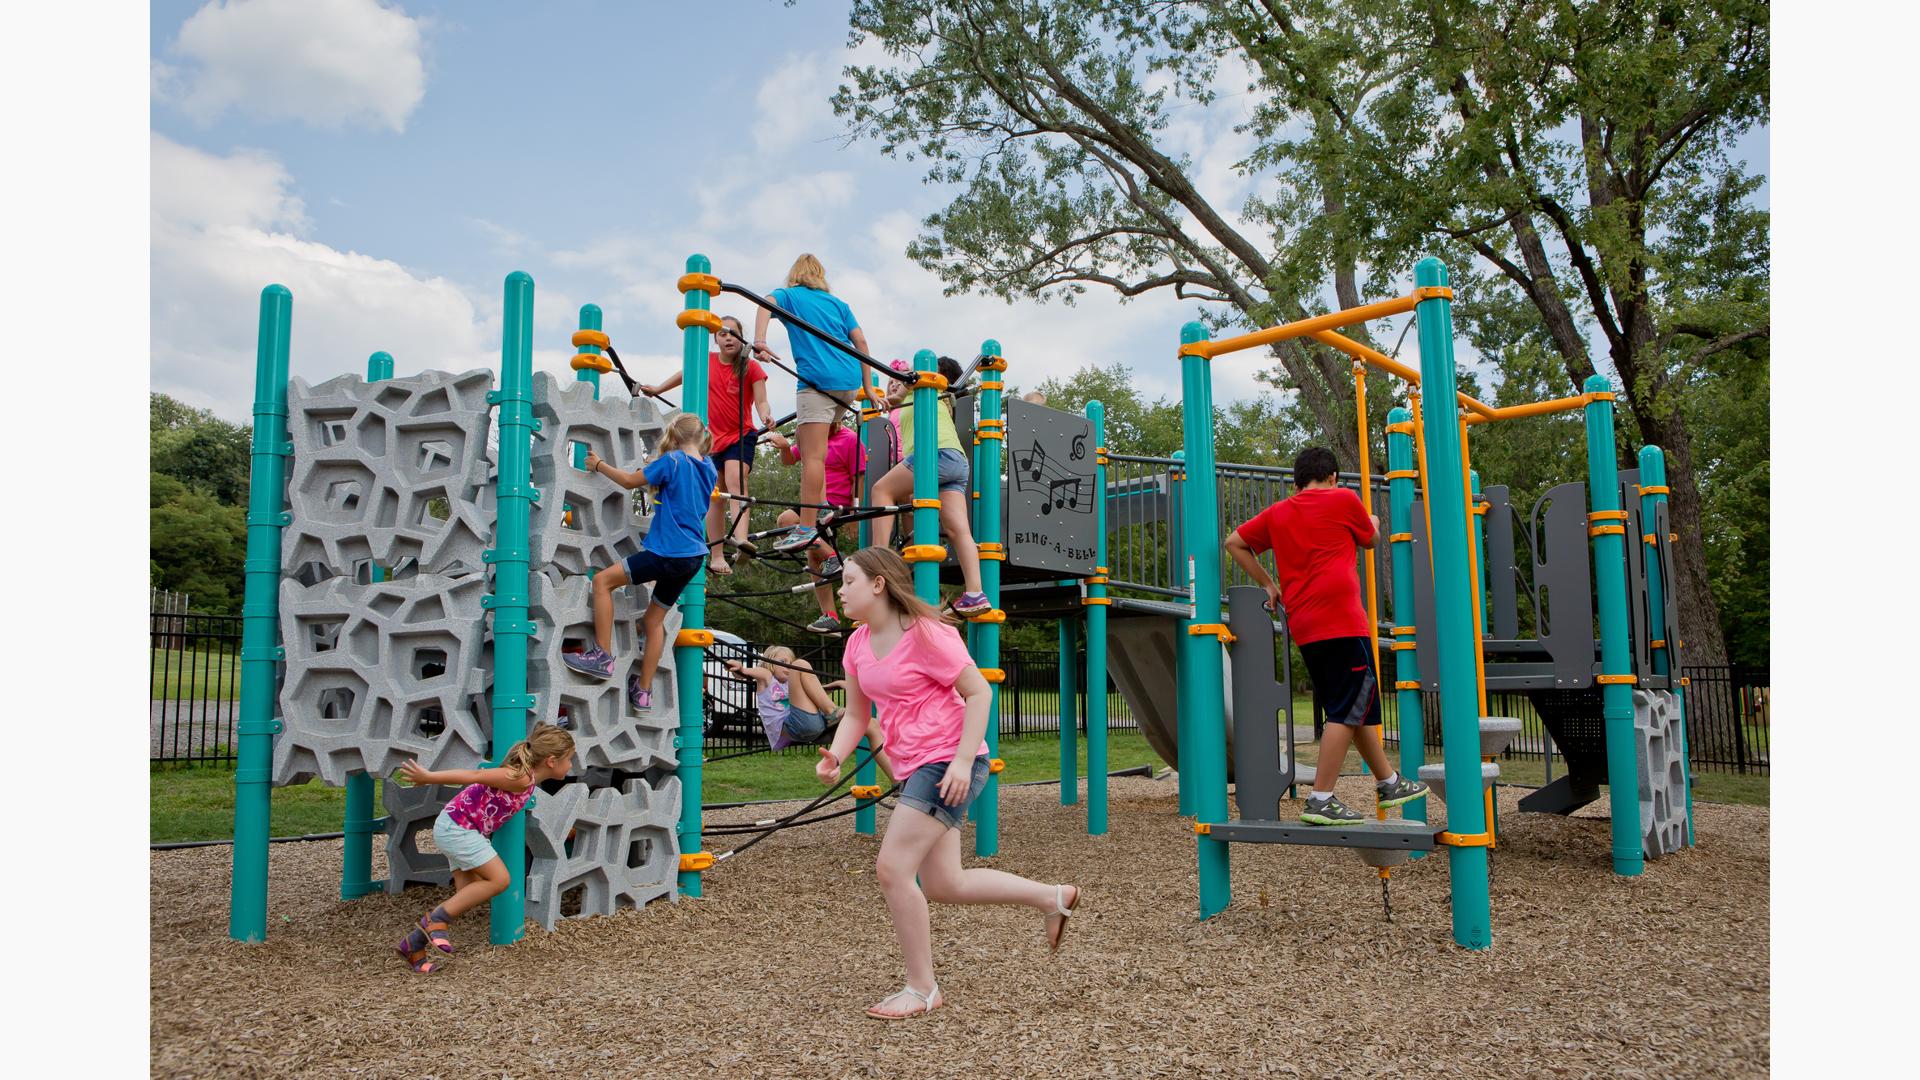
pixel 1394 834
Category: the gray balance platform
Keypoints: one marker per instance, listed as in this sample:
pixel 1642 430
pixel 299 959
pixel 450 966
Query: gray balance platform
pixel 1394 834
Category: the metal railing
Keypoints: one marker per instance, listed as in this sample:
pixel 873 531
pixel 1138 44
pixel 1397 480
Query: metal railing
pixel 193 686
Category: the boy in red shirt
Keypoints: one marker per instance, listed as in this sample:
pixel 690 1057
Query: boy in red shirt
pixel 1315 535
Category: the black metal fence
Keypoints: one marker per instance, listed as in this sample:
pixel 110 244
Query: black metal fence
pixel 193 686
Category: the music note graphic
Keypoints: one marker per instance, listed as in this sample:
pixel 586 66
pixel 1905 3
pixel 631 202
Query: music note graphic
pixel 1035 463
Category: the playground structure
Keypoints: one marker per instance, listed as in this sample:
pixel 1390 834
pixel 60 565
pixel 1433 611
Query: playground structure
pixel 381 604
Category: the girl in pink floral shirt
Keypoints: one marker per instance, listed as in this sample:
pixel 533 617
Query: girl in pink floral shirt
pixel 491 798
pixel 933 712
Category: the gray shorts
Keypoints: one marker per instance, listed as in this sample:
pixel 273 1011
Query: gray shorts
pixel 813 407
pixel 952 472
pixel 464 848
pixel 922 791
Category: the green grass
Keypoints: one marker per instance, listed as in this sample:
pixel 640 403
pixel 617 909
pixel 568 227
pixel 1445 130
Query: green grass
pixel 195 802
pixel 193 675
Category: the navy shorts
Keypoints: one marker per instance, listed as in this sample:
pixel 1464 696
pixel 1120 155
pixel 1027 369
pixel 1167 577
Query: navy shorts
pixel 922 791
pixel 1344 686
pixel 741 451
pixel 668 573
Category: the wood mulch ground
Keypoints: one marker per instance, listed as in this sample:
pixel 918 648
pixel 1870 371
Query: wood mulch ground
pixel 1663 975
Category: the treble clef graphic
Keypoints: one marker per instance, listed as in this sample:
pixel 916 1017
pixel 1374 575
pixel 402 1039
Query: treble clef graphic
pixel 1079 447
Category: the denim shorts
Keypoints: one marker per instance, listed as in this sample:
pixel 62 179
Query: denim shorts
pixel 804 725
pixel 464 848
pixel 953 473
pixel 922 791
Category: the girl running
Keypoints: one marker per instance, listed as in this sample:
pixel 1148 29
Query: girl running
pixel 933 714
pixel 733 375
pixel 675 549
pixel 489 799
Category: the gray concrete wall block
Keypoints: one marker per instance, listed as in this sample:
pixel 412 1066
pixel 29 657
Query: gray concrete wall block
pixel 379 674
pixel 597 851
pixel 584 521
pixel 607 731
pixel 1662 771
pixel 410 815
pixel 394 472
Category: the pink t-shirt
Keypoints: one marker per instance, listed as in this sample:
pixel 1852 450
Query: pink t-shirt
pixel 843 464
pixel 484 809
pixel 921 714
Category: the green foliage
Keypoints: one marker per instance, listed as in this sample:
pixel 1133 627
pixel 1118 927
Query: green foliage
pixel 197 545
pixel 199 449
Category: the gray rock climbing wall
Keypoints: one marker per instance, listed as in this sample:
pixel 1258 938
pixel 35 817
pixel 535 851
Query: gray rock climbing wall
pixel 585 521
pixel 607 732
pixel 602 849
pixel 1663 774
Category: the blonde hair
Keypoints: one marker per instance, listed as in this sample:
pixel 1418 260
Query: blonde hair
pixel 684 432
pixel 887 565
pixel 546 741
pixel 780 653
pixel 808 271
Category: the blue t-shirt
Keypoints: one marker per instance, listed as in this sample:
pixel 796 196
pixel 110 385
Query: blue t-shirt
pixel 685 486
pixel 820 365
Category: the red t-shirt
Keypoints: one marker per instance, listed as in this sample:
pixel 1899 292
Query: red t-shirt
pixel 727 416
pixel 1314 536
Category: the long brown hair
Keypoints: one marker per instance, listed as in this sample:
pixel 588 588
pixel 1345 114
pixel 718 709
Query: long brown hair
pixel 546 741
pixel 887 565
pixel 739 361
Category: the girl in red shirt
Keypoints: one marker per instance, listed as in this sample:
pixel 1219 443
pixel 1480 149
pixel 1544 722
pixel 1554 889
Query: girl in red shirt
pixel 732 377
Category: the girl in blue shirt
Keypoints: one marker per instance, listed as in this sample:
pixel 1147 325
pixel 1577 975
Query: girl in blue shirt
pixel 675 548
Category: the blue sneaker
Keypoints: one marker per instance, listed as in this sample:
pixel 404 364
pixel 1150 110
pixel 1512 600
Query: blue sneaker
pixel 595 663
pixel 799 539
pixel 641 700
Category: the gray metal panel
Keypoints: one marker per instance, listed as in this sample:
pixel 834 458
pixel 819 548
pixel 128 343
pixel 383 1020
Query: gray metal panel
pixel 1141 659
pixel 1262 773
pixel 1504 618
pixel 1425 656
pixel 1050 494
pixel 881 450
pixel 1396 834
pixel 1670 595
pixel 1563 583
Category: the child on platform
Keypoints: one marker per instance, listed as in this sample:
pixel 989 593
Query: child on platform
pixel 675 548
pixel 1314 535
pixel 490 798
pixel 794 707
pixel 933 714
pixel 846 467
pixel 954 474
pixel 828 378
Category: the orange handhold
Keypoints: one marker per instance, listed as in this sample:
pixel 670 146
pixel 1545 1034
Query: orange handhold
pixel 590 337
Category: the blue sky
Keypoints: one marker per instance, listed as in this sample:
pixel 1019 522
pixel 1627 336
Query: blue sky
pixel 391 164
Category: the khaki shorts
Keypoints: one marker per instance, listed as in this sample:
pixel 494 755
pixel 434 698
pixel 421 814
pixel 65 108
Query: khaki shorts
pixel 814 407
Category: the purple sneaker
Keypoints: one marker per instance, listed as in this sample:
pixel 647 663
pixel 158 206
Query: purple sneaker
pixel 973 603
pixel 641 700
pixel 595 663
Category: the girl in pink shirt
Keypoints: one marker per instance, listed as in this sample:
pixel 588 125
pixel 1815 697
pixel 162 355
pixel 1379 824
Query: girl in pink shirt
pixel 933 713
pixel 490 798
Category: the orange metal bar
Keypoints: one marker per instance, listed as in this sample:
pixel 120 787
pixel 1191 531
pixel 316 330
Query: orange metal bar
pixel 1533 408
pixel 1420 452
pixel 1379 309
pixel 1388 364
pixel 1473 572
pixel 1366 499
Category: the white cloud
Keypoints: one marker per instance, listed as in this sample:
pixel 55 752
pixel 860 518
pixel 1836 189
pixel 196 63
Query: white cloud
pixel 793 104
pixel 329 63
pixel 223 229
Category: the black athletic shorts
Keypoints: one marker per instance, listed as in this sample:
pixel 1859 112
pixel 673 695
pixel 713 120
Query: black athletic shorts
pixel 1344 686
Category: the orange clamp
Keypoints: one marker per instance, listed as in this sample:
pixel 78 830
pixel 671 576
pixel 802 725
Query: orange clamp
pixel 993 545
pixel 866 791
pixel 1657 643
pixel 691 638
pixel 1655 489
pixel 1607 530
pixel 1403 646
pixel 697 861
pixel 995 765
pixel 992 615
pixel 1673 538
pixel 993 363
pixel 1651 539
pixel 992 384
pixel 1453 839
pixel 991 425
pixel 1432 292
pixel 1684 681
pixel 590 337
pixel 1407 684
pixel 994 674
pixel 1218 630
pixel 1400 538
pixel 926 504
pixel 1480 510
pixel 706 283
pixel 991 556
pixel 694 317
pixel 988 435
pixel 1095 601
pixel 1403 631
pixel 930 380
pixel 924 553
pixel 1403 428
pixel 1617 680
pixel 1097 579
pixel 1607 515
pixel 1600 395
pixel 1201 828
pixel 588 361
pixel 1404 474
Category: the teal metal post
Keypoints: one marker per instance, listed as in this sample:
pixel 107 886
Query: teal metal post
pixel 865 771
pixel 689 660
pixel 1607 528
pixel 511 557
pixel 1653 474
pixel 1097 634
pixel 1206 752
pixel 1453 611
pixel 986 634
pixel 1069 718
pixel 357 823
pixel 1182 655
pixel 260 650
pixel 926 449
pixel 1406 668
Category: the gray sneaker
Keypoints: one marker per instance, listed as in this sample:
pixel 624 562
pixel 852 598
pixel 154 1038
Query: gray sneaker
pixel 1400 791
pixel 825 624
pixel 1331 812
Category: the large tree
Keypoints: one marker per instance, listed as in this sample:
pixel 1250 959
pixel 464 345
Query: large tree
pixel 1568 160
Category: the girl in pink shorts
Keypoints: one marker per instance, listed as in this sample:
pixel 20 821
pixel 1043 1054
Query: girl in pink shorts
pixel 933 713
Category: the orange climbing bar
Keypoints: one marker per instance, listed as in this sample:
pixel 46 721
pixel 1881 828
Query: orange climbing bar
pixel 1408 375
pixel 1379 309
pixel 1366 499
pixel 1535 408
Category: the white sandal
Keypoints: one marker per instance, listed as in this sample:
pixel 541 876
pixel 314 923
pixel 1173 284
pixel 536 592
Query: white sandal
pixel 1065 911
pixel 926 1001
